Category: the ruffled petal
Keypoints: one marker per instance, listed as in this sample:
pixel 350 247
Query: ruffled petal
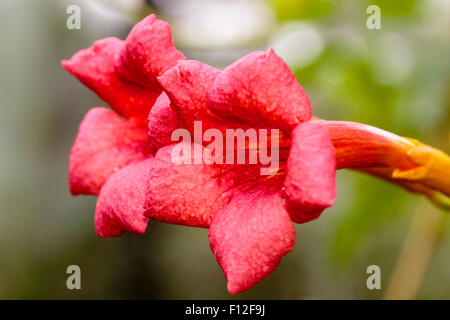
pixel 104 144
pixel 94 67
pixel 162 121
pixel 148 52
pixel 186 194
pixel 260 90
pixel 187 85
pixel 310 183
pixel 120 205
pixel 250 235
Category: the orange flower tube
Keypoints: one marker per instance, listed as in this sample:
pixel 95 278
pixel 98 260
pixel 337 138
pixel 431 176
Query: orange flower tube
pixel 404 161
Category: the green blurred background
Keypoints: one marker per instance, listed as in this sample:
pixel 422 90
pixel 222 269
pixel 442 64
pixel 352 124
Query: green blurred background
pixel 396 78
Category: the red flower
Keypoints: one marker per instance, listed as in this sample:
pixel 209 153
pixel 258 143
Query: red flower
pixel 129 163
pixel 111 154
pixel 250 226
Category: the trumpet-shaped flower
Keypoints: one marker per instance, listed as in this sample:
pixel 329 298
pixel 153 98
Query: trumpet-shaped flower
pixel 129 162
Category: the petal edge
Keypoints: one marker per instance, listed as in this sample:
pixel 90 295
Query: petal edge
pixel 310 183
pixel 104 143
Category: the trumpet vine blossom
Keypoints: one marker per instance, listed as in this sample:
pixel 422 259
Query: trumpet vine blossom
pixel 125 155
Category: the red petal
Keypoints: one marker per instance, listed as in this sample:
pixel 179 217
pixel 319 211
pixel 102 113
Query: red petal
pixel 162 121
pixel 187 85
pixel 120 206
pixel 310 183
pixel 250 235
pixel 148 52
pixel 94 67
pixel 191 193
pixel 260 90
pixel 104 144
pixel 186 194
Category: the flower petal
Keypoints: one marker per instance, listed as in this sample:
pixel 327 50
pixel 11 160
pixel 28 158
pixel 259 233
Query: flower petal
pixel 187 85
pixel 433 170
pixel 120 205
pixel 310 183
pixel 148 52
pixel 260 90
pixel 162 121
pixel 186 194
pixel 104 144
pixel 94 67
pixel 250 235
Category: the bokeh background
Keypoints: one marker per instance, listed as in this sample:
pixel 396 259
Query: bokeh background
pixel 396 78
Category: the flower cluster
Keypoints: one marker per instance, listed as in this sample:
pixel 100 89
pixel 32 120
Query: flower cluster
pixel 124 155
